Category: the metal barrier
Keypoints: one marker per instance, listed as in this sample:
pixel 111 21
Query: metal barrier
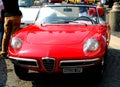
pixel 114 17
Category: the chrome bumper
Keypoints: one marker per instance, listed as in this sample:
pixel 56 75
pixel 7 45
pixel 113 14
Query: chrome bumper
pixel 78 63
pixel 25 62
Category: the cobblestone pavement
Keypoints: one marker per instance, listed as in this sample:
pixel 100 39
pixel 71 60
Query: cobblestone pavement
pixel 3 72
pixel 8 77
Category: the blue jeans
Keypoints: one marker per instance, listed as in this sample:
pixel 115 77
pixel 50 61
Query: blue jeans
pixel 1 33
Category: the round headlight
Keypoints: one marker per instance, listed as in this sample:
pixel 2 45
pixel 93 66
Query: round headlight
pixel 91 45
pixel 16 43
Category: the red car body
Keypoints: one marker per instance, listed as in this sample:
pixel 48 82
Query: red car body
pixel 54 48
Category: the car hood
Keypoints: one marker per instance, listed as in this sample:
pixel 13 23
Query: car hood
pixel 58 34
pixel 57 41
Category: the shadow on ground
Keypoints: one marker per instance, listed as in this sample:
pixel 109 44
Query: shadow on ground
pixel 3 72
pixel 111 76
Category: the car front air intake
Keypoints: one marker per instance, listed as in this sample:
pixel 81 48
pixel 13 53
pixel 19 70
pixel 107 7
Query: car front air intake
pixel 24 62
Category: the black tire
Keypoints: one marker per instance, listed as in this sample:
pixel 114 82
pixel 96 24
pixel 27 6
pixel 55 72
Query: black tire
pixel 22 73
pixel 96 72
pixel 105 61
pixel 100 68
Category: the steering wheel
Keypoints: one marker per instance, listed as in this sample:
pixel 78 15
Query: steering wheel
pixel 84 18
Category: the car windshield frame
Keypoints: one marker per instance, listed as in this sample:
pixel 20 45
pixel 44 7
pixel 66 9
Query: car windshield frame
pixel 65 21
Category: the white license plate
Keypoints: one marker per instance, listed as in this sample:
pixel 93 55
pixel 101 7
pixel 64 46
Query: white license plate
pixel 72 70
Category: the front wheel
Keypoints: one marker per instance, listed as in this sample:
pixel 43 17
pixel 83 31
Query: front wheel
pixel 22 73
pixel 96 72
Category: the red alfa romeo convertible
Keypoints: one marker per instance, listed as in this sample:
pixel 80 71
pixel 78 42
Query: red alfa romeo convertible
pixel 61 40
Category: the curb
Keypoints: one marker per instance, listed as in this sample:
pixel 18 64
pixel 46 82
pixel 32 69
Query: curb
pixel 114 42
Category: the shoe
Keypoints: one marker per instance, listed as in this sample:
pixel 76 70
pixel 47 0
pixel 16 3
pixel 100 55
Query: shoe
pixel 3 54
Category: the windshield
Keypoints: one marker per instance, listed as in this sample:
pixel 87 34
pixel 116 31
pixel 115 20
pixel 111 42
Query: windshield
pixel 67 14
pixel 25 3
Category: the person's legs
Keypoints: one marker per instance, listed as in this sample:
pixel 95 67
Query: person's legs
pixel 6 36
pixel 1 33
pixel 11 25
pixel 16 20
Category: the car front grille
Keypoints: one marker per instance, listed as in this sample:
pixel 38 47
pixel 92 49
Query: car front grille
pixel 24 62
pixel 77 63
pixel 49 63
